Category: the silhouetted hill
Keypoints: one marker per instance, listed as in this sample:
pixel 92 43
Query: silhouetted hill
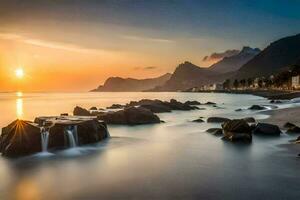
pixel 276 56
pixel 233 63
pixel 117 84
pixel 188 75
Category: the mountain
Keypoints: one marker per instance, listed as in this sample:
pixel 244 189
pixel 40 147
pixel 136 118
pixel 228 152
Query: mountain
pixel 274 58
pixel 188 75
pixel 233 63
pixel 117 84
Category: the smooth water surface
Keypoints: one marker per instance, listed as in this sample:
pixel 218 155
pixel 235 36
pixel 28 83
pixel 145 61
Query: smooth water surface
pixel 172 160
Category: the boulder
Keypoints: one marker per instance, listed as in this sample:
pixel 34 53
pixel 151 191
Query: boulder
pixel 176 105
pixel 238 110
pixel 130 116
pixel 93 108
pixel 116 106
pixel 210 103
pixel 78 111
pixel 249 119
pixel 237 130
pixel 198 120
pixel 20 138
pixel 293 129
pixel 288 125
pixel 217 119
pixel 257 107
pixel 215 131
pixel 192 103
pixel 267 129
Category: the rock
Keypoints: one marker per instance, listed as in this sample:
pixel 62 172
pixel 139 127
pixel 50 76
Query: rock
pixel 215 131
pixel 288 125
pixel 176 105
pixel 198 120
pixel 20 138
pixel 116 106
pixel 93 108
pixel 78 111
pixel 201 108
pixel 64 114
pixel 192 103
pixel 249 119
pixel 237 130
pixel 217 119
pixel 156 108
pixel 267 129
pixel 275 101
pixel 297 140
pixel 210 103
pixel 256 107
pixel 293 129
pixel 130 116
pixel 238 110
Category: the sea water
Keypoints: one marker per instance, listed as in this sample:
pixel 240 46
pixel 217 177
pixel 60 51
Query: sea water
pixel 172 160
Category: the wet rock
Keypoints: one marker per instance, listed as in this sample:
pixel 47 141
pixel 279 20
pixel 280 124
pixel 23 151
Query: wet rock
pixel 275 101
pixel 289 125
pixel 198 120
pixel 293 129
pixel 297 140
pixel 130 116
pixel 64 114
pixel 249 119
pixel 192 103
pixel 20 138
pixel 176 105
pixel 210 103
pixel 215 131
pixel 116 106
pixel 237 130
pixel 217 119
pixel 238 110
pixel 257 107
pixel 93 108
pixel 266 129
pixel 78 111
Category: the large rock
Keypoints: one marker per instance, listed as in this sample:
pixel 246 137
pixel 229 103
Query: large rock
pixel 249 119
pixel 116 106
pixel 130 116
pixel 237 130
pixel 20 138
pixel 293 129
pixel 156 108
pixel 217 119
pixel 267 129
pixel 257 107
pixel 81 111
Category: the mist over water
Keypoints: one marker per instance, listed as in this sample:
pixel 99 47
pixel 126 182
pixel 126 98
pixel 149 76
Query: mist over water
pixel 172 160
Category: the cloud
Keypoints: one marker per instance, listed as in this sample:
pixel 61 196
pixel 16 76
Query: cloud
pixel 48 44
pixel 218 56
pixel 149 39
pixel 145 68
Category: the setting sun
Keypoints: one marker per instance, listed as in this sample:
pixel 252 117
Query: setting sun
pixel 19 73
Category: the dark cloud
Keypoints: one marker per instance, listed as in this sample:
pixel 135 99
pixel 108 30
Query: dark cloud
pixel 218 56
pixel 145 68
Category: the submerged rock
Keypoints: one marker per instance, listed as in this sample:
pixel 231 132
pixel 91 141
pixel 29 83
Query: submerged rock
pixel 210 103
pixel 217 119
pixel 267 129
pixel 215 131
pixel 198 120
pixel 23 137
pixel 130 116
pixel 257 107
pixel 78 111
pixel 237 130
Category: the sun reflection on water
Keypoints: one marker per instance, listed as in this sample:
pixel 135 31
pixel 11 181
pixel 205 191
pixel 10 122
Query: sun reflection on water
pixel 19 105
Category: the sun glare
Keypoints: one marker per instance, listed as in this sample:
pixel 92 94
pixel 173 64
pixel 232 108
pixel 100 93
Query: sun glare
pixel 19 73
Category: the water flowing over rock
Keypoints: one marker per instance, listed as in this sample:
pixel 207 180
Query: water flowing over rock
pixel 23 137
pixel 237 130
pixel 130 116
pixel 267 129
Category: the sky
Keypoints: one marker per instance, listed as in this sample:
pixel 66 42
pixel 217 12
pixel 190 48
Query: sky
pixel 75 45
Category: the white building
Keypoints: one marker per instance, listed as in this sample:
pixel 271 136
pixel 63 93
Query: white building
pixel 216 86
pixel 296 82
